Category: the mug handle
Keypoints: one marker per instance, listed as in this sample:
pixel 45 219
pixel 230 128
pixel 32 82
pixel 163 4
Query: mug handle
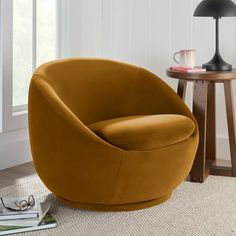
pixel 174 57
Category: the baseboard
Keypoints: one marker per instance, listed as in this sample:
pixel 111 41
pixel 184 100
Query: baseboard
pixel 222 148
pixel 14 148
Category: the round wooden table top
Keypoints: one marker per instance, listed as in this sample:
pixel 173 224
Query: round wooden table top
pixel 216 76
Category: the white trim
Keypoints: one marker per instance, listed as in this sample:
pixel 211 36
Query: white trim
pixel 222 148
pixel 59 28
pixel 34 35
pixel 9 120
pixel 1 57
pixel 14 148
pixel 19 108
pixel 6 50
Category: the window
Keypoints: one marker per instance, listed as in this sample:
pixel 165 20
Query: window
pixel 34 23
pixel 29 38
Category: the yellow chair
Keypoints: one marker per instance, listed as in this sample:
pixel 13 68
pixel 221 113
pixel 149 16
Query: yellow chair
pixel 107 135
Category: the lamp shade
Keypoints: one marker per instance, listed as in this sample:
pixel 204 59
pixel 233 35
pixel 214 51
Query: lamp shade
pixel 216 8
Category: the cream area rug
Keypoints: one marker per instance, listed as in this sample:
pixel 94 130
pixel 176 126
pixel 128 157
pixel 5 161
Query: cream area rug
pixel 194 209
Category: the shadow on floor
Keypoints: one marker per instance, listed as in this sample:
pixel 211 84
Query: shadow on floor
pixel 12 175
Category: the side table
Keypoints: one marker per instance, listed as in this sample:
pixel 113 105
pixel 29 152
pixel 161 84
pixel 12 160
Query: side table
pixel 204 112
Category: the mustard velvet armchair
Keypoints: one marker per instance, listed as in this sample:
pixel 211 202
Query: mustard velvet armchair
pixel 107 135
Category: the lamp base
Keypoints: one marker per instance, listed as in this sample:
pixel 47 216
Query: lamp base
pixel 217 64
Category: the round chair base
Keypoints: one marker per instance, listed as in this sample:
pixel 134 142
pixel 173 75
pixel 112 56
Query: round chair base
pixel 115 207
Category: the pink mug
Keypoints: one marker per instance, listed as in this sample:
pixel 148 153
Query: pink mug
pixel 187 58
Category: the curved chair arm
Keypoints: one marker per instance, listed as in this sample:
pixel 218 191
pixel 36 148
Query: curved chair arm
pixel 166 99
pixel 64 111
pixel 61 149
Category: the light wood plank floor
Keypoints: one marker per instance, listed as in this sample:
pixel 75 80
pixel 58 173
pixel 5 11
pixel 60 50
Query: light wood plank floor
pixel 10 176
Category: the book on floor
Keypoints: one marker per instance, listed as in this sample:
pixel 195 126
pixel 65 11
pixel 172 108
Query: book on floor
pixel 46 223
pixel 30 222
pixel 6 214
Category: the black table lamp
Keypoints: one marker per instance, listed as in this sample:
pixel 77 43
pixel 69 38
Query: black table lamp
pixel 216 9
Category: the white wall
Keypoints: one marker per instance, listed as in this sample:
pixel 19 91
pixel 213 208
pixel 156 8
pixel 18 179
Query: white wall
pixel 147 33
pixel 14 148
pixel 142 32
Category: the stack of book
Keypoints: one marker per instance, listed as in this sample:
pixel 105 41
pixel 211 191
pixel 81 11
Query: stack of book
pixel 188 69
pixel 35 218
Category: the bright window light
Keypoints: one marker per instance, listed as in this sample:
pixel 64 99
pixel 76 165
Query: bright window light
pixel 46 31
pixel 34 42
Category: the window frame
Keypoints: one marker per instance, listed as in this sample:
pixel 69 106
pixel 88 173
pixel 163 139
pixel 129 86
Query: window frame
pixel 16 117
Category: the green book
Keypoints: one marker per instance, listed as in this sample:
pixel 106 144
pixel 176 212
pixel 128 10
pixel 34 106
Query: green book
pixel 47 222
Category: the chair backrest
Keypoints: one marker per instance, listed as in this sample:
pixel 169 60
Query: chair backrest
pixel 97 89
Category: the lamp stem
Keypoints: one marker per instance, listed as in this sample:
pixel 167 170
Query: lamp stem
pixel 217 63
pixel 217 35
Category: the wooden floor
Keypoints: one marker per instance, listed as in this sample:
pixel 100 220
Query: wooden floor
pixel 10 176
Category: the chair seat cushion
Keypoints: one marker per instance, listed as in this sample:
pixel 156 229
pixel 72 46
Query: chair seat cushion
pixel 144 132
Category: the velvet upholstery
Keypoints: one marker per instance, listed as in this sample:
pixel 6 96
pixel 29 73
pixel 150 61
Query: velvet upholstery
pixel 143 133
pixel 67 98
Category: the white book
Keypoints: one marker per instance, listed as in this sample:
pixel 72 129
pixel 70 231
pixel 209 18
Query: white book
pixel 19 216
pixel 47 222
pixel 43 209
pixel 6 214
pixel 10 202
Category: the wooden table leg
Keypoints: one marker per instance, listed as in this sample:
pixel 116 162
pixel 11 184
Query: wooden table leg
pixel 211 125
pixel 231 123
pixel 182 85
pixel 197 173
